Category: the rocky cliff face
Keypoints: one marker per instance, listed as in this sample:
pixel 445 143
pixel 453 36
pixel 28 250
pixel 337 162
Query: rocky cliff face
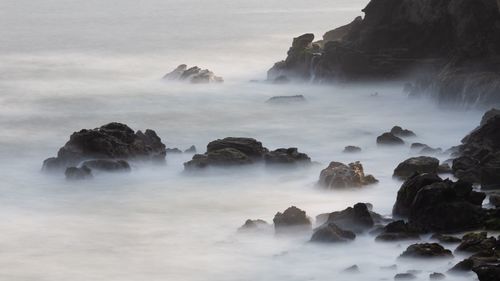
pixel 396 38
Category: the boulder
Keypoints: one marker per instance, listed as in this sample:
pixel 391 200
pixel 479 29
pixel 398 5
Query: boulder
pixel 408 191
pixel 398 231
pixel 405 276
pixel 338 175
pixel 286 156
pixel 437 276
pixel 448 239
pixel 191 149
pixel 74 173
pixel 331 233
pixel 476 242
pixel 352 149
pixel 250 147
pixel 488 272
pixel 193 75
pixel 388 139
pixel 402 133
pixel 254 225
pixel 111 141
pixel 421 164
pixel 356 219
pixel 107 165
pixel 426 250
pixel 292 218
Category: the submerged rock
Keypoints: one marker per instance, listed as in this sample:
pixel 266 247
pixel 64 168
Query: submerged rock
pixel 286 156
pixel 389 139
pixel 292 218
pixel 191 149
pixel 338 175
pixel 286 99
pixel 426 250
pixel 405 276
pixel 398 231
pixel 421 165
pixel 402 133
pixel 193 75
pixel 112 141
pixel 74 173
pixel 331 233
pixel 437 276
pixel 357 218
pixel 254 225
pixel 352 149
pixel 108 165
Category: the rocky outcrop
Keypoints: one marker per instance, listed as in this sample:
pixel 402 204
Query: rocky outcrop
pixel 331 233
pixel 455 42
pixel 292 218
pixel 107 165
pixel 193 75
pixel 420 165
pixel 114 141
pixel 398 231
pixel 74 173
pixel 408 192
pixel 356 219
pixel 286 156
pixel 479 154
pixel 338 175
pixel 388 139
pixel 426 250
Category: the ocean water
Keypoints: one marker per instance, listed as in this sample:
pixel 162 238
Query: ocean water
pixel 68 65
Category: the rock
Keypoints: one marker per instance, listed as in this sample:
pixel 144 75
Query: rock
pixel 418 146
pixel 352 269
pixel 250 147
pixel 338 175
pixel 352 149
pixel 111 141
pixel 389 139
pixel 430 151
pixel 421 164
pixel 356 219
pixel 489 115
pixel 402 133
pixel 495 199
pixel 477 242
pixel 74 173
pixel 426 250
pixel 446 238
pixel 286 99
pixel 193 75
pixel 280 80
pixel 404 276
pixel 286 156
pixel 291 218
pixel 437 276
pixel 173 151
pixel 191 149
pixel 339 33
pixel 398 231
pixel 107 165
pixel 408 191
pixel 331 233
pixel 444 168
pixel 488 272
pixel 253 225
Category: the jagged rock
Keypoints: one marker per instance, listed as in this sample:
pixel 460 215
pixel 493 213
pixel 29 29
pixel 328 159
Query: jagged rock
pixel 389 139
pixel 250 147
pixel 292 218
pixel 339 33
pixel 74 173
pixel 408 191
pixel 286 156
pixel 193 75
pixel 421 164
pixel 405 276
pixel 338 175
pixel 191 149
pixel 397 231
pixel 331 233
pixel 426 250
pixel 352 149
pixel 111 141
pixel 357 218
pixel 402 133
pixel 286 99
pixel 437 276
pixel 476 242
pixel 173 151
pixel 253 225
pixel 108 165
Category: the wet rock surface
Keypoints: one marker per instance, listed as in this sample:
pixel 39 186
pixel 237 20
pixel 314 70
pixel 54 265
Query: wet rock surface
pixel 331 233
pixel 420 165
pixel 426 250
pixel 339 175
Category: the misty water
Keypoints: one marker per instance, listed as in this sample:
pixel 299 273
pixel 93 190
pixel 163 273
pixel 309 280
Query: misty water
pixel 68 65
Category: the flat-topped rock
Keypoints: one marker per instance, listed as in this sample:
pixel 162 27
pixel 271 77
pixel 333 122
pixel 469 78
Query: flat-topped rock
pixel 421 165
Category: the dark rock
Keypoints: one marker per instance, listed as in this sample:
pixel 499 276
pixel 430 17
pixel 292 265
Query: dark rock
pixel 418 146
pixel 409 190
pixel 352 269
pixel 446 238
pixel 489 115
pixel 286 99
pixel 403 133
pixel 173 151
pixel 331 233
pixel 398 231
pixel 111 141
pixel 250 147
pixel 389 139
pixel 286 156
pixel 426 250
pixel 476 242
pixel 357 218
pixel 108 165
pixel 352 149
pixel 444 168
pixel 495 199
pixel 193 75
pixel 421 165
pixel 191 149
pixel 253 225
pixel 74 173
pixel 437 276
pixel 338 175
pixel 488 272
pixel 292 217
pixel 404 276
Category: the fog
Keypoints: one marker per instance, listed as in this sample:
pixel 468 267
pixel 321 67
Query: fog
pixel 68 65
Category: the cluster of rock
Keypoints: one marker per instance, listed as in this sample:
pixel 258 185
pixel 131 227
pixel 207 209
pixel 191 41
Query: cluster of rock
pixel 233 151
pixel 454 42
pixel 193 75
pixel 106 148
